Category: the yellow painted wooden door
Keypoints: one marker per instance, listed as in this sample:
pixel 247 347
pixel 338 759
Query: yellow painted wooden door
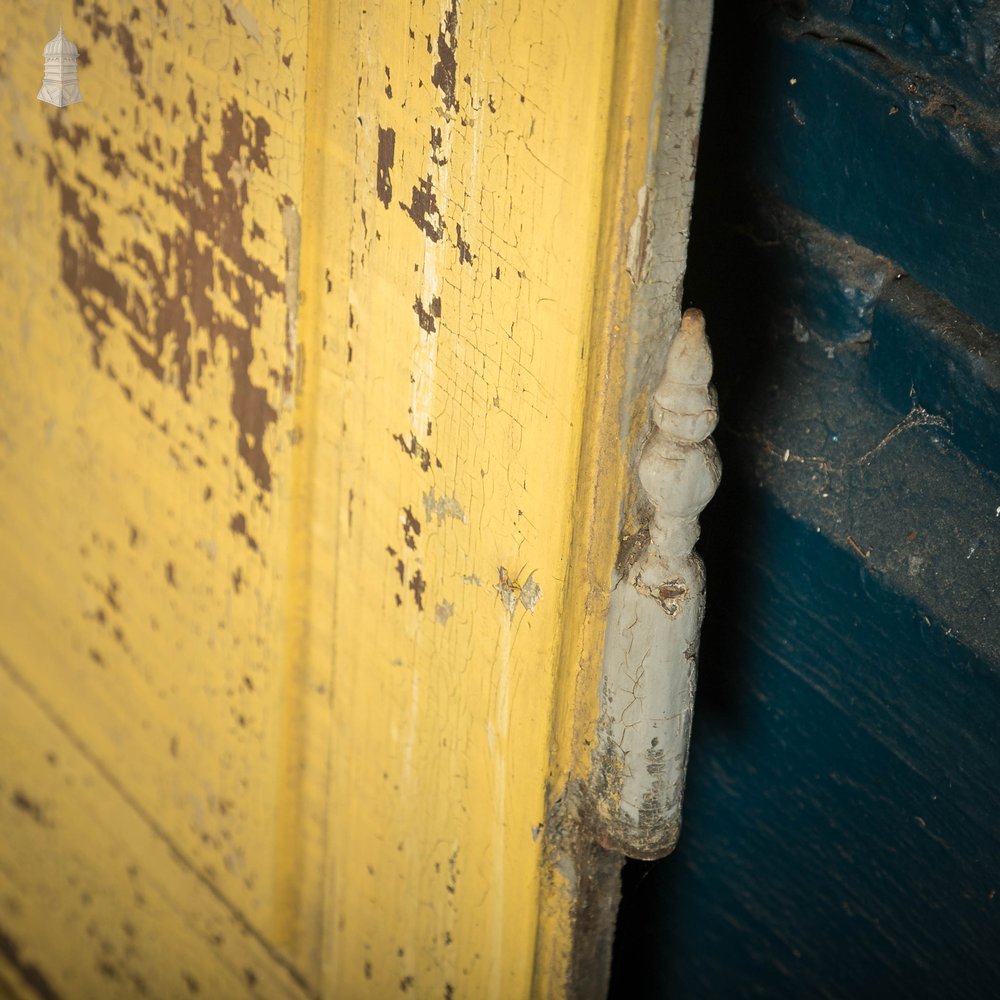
pixel 328 336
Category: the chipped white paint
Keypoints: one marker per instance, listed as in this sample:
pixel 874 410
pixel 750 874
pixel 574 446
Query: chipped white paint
pixel 426 348
pixel 512 593
pixel 245 19
pixel 425 352
pixel 656 611
pixel 443 507
pixel 531 594
pixel 637 237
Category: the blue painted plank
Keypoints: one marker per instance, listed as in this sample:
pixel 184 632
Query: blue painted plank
pixel 816 859
pixel 884 160
pixel 952 41
pixel 842 824
pixel 920 340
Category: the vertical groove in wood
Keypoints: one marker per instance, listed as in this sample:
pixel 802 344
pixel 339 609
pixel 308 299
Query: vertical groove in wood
pixel 648 178
pixel 303 851
pixel 481 131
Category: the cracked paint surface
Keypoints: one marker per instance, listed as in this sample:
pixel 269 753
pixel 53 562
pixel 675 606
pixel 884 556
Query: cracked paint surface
pixel 291 431
pixel 464 389
pixel 151 278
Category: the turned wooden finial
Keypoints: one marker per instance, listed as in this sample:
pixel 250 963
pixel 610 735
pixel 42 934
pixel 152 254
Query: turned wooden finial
pixel 656 612
pixel 685 404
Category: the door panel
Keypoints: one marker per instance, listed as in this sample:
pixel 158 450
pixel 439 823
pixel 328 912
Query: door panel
pixel 100 901
pixel 148 405
pixel 322 389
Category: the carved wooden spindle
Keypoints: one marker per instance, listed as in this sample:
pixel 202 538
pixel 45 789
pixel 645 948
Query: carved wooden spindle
pixel 655 615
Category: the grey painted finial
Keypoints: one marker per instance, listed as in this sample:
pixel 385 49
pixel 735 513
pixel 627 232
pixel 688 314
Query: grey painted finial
pixel 657 606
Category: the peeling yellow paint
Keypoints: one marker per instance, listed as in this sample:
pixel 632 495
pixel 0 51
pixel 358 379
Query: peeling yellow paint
pixel 475 246
pixel 310 436
pixel 147 463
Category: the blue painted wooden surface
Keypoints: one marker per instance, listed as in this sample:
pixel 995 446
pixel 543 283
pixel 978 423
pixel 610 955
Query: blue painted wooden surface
pixel 842 823
pixel 906 170
pixel 825 851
